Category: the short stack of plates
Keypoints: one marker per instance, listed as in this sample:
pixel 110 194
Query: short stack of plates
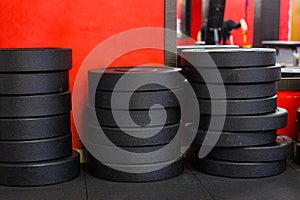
pixel 251 119
pixel 139 119
pixel 35 105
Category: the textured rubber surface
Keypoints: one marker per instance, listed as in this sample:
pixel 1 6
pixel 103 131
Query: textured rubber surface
pixel 185 47
pixel 271 121
pixel 164 135
pixel 34 83
pixel 238 139
pixel 34 128
pixel 40 173
pixel 35 150
pixel 138 100
pixel 139 117
pixel 35 106
pixel 106 172
pixel 230 58
pixel 282 149
pixel 137 155
pixel 240 107
pixel 110 76
pixel 236 91
pixel 240 169
pixel 35 60
pixel 235 75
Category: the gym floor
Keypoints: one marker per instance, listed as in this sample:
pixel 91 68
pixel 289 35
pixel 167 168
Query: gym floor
pixel 190 185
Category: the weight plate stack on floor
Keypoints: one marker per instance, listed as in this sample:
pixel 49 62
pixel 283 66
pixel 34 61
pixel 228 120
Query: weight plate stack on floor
pixel 248 145
pixel 144 128
pixel 35 105
pixel 288 98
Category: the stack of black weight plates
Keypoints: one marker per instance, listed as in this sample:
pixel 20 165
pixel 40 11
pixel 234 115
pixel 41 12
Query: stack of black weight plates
pixel 35 104
pixel 100 116
pixel 247 146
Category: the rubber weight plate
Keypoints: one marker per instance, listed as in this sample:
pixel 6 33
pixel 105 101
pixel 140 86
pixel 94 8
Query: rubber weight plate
pixel 110 77
pixel 35 150
pixel 240 107
pixel 240 169
pixel 235 75
pixel 229 58
pixel 106 172
pixel 40 173
pixel 35 106
pixel 34 128
pixel 164 135
pixel 181 48
pixel 237 139
pixel 139 117
pixel 282 149
pixel 271 121
pixel 35 60
pixel 138 156
pixel 34 83
pixel 235 91
pixel 138 100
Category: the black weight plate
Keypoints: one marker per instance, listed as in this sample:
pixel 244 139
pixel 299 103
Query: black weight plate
pixel 40 173
pixel 164 135
pixel 185 47
pixel 35 60
pixel 35 105
pixel 230 58
pixel 137 155
pixel 139 117
pixel 240 107
pixel 105 172
pixel 236 75
pixel 282 149
pixel 236 91
pixel 34 83
pixel 110 77
pixel 36 150
pixel 138 100
pixel 240 169
pixel 34 128
pixel 237 139
pixel 181 48
pixel 271 121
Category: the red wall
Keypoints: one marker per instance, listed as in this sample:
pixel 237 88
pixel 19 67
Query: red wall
pixel 196 18
pixel 284 19
pixel 235 10
pixel 80 25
